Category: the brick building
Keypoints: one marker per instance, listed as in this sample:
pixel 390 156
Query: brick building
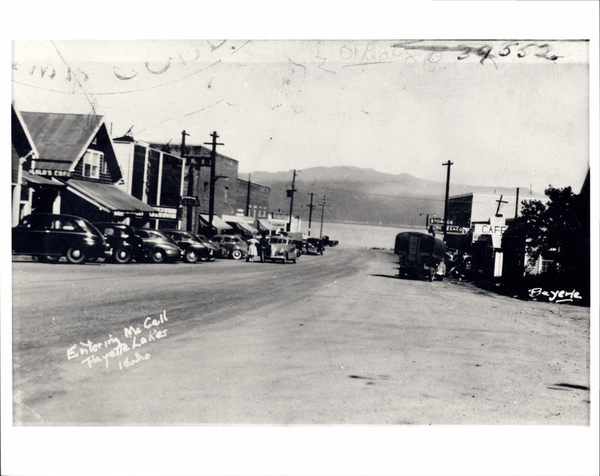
pixel 232 196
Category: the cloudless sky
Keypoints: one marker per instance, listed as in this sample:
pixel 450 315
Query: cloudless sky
pixel 516 118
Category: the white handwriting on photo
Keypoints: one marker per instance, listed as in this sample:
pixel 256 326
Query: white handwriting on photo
pixel 555 296
pixel 114 349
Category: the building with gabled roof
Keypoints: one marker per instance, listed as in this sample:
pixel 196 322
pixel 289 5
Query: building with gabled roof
pixel 29 192
pixel 73 168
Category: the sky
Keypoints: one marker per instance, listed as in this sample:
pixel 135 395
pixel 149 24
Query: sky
pixel 505 115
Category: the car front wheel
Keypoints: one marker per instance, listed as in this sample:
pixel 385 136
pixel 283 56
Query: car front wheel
pixel 190 256
pixel 158 256
pixel 76 256
pixel 123 256
pixel 236 254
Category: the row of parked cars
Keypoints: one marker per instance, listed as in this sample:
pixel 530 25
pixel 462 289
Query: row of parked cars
pixel 50 237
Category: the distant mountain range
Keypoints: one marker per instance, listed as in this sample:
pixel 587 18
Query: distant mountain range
pixel 357 195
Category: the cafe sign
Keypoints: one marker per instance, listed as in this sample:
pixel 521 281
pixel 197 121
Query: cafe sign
pixel 50 173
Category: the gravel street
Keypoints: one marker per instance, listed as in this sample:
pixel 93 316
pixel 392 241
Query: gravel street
pixel 333 339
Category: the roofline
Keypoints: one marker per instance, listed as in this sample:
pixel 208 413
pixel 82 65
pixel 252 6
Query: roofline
pixel 89 141
pixel 147 144
pixel 255 183
pixel 26 130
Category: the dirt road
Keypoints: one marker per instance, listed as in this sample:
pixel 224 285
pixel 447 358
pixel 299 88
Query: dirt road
pixel 332 340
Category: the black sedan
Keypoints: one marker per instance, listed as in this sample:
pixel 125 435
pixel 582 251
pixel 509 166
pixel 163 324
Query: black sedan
pixel 124 244
pixel 193 248
pixel 50 236
pixel 158 247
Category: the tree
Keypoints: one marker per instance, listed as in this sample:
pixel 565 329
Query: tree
pixel 559 231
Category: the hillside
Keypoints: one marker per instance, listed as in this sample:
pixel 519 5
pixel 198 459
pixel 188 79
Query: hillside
pixel 362 195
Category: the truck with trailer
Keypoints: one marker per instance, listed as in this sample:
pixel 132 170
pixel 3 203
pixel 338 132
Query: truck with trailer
pixel 419 255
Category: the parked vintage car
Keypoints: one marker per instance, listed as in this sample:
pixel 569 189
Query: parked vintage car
pixel 158 247
pixel 50 236
pixel 231 246
pixel 329 242
pixel 313 246
pixel 210 245
pixel 282 248
pixel 193 248
pixel 124 244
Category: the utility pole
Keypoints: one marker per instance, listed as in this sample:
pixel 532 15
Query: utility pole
pixel 248 197
pixel 322 205
pixel 289 227
pixel 311 206
pixel 517 204
pixel 190 185
pixel 449 164
pixel 213 156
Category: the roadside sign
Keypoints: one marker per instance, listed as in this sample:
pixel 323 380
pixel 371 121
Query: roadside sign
pixel 457 229
pixel 187 201
pixel 438 221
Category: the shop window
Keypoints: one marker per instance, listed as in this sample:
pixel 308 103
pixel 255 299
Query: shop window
pixel 91 163
pixel 226 194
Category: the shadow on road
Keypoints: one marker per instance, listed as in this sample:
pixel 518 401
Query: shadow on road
pixel 384 276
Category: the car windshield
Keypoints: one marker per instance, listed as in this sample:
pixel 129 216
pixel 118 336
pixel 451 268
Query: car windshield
pixel 189 236
pixel 157 235
pixel 201 238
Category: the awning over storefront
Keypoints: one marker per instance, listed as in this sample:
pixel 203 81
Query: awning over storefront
pixel 108 197
pixel 217 222
pixel 265 225
pixel 248 227
pixel 37 180
pixel 243 226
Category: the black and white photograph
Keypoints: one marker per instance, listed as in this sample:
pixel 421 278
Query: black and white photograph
pixel 217 242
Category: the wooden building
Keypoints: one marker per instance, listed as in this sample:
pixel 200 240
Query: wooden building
pixel 72 168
